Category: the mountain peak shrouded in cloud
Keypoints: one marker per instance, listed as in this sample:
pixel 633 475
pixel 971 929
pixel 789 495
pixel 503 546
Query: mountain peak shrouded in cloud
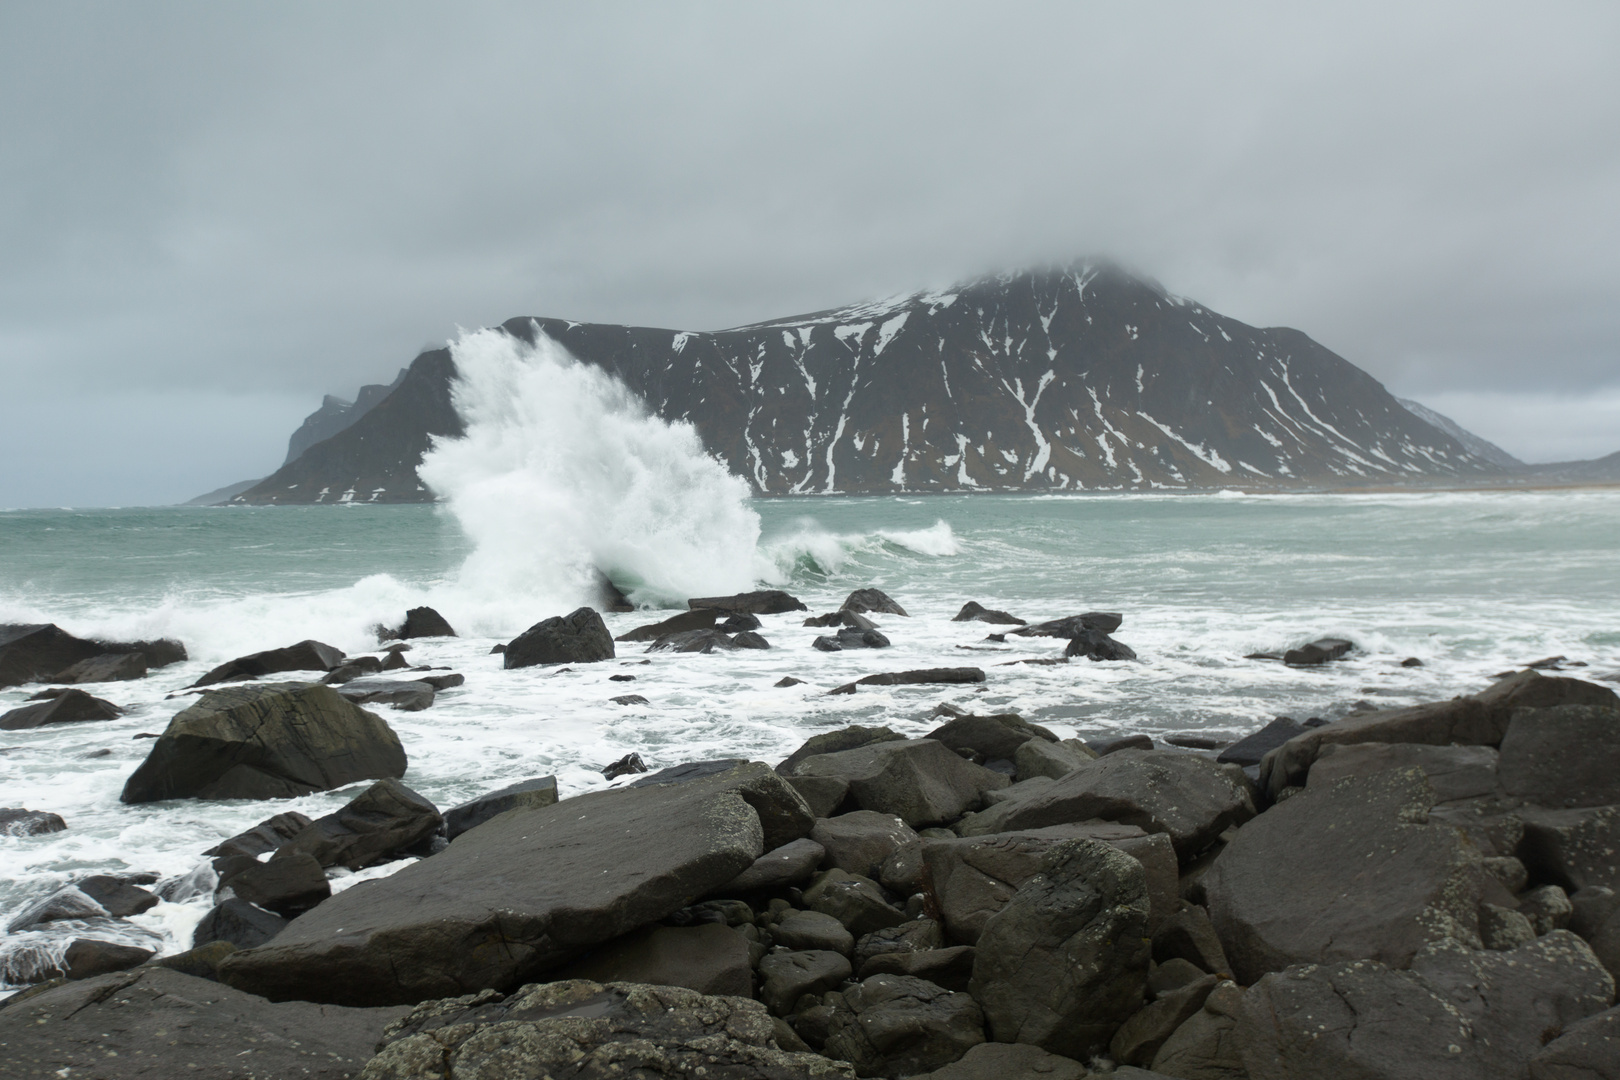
pixel 1082 377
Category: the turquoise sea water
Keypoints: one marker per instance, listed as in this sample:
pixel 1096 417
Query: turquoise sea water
pixel 1471 584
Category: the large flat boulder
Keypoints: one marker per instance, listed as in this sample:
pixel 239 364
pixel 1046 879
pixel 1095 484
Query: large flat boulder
pixel 1562 757
pixel 152 1023
pixel 580 637
pixel 68 707
pixel 266 741
pixel 1480 719
pixel 1190 799
pixel 1454 772
pixel 108 667
pixel 377 826
pixel 307 655
pixel 760 602
pixel 1064 964
pixel 517 896
pixel 920 781
pixel 831 742
pixel 1349 871
pixel 696 619
pixel 584 1029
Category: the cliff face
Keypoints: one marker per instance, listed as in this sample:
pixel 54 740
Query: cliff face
pixel 1082 378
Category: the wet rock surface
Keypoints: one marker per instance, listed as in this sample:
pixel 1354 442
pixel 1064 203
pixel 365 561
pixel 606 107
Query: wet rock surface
pixel 580 637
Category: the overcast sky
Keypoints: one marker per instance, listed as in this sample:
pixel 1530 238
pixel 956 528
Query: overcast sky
pixel 212 214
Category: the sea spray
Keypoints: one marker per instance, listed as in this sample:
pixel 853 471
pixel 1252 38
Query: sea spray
pixel 563 472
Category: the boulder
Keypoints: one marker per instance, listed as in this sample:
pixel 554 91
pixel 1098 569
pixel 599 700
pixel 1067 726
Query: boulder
pixel 950 968
pixel 397 662
pixel 785 977
pixel 825 795
pixel 1478 720
pixel 991 737
pixel 1595 916
pixel 973 611
pixel 580 637
pixel 739 623
pixel 851 638
pixel 1547 907
pixel 128 1025
pixel 920 781
pixel 696 619
pixel 709 958
pixel 1572 848
pixel 1566 756
pixel 442 682
pixel 242 924
pixel 86 958
pixel 1205 1046
pixel 828 644
pixel 830 742
pixel 814 931
pixel 201 962
pixel 1095 645
pixel 787 865
pixel 1453 772
pixel 842 617
pixel 1071 626
pixel 1587 1050
pixel 1189 935
pixel 267 835
pixel 526 793
pixel 629 765
pixel 952 675
pixel 583 1029
pixel 518 896
pixel 1319 651
pixel 783 816
pixel 1345 872
pixel 1003 1061
pixel 1253 747
pixel 1064 963
pixel 108 667
pixel 356 667
pixel 68 903
pixel 307 655
pixel 1053 760
pixel 1141 1037
pixel 761 602
pixel 1104 747
pixel 68 707
pixel 266 741
pixel 864 600
pixel 16 821
pixel 287 886
pixel 692 641
pixel 747 639
pixel 893 1025
pixel 854 900
pixel 33 652
pixel 1503 928
pixel 424 622
pixel 1189 798
pixel 117 897
pixel 862 841
pixel 377 826
pixel 406 695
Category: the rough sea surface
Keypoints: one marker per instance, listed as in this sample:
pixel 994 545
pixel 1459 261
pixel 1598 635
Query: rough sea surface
pixel 1470 584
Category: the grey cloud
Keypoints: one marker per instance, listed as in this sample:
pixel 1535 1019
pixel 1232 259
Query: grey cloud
pixel 290 199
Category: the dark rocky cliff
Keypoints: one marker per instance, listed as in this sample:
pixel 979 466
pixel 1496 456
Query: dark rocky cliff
pixel 1080 378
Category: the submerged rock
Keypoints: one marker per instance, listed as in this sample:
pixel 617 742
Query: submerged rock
pixel 308 655
pixel 108 667
pixel 406 695
pixel 15 821
pixel 1318 652
pixel 863 600
pixel 68 707
pixel 1072 626
pixel 919 675
pixel 973 611
pixel 580 637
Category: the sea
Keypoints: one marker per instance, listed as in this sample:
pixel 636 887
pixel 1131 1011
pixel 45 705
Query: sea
pixel 1469 584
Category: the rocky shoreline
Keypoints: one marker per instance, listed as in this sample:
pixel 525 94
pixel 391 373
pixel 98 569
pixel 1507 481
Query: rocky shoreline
pixel 1418 892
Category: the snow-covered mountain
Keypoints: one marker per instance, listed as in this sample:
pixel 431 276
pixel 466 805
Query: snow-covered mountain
pixel 1075 378
pixel 1470 442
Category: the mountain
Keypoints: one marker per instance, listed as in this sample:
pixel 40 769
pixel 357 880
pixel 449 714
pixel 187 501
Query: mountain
pixel 335 415
pixel 1075 378
pixel 1603 470
pixel 1470 442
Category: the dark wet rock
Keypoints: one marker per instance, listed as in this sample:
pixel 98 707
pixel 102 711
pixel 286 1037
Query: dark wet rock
pixel 1574 849
pixel 995 736
pixel 761 602
pixel 1566 756
pixel 920 781
pixel 854 620
pixel 394 662
pixel 824 795
pixel 949 968
pixel 747 639
pixel 1104 747
pixel 201 962
pixel 621 678
pixel 693 641
pixel 68 903
pixel 379 825
pixel 788 976
pixel 812 931
pixel 696 619
pixel 1141 1037
pixel 610 597
pixel 789 864
pixel 1096 646
pixel 520 895
pixel 1344 872
pixel 893 1026
pixel 910 936
pixel 1481 719
pixel 1253 747
pixel 786 681
pixel 287 885
pixel 108 667
pixel 267 835
pixel 1189 935
pixel 1072 626
pixel 1411 661
pixel 1003 1061
pixel 16 821
pixel 354 668
pixel 33 652
pixel 629 765
pixel 740 623
pixel 497 649
pixel 854 900
pixel 423 622
pixel 580 637
pixel 831 742
pixel 851 638
pixel 266 741
pixel 126 1025
pixel 630 699
pixel 242 924
pixel 1454 772
pixel 862 841
pixel 307 655
pixel 405 695
pixel 1064 963
pixel 538 792
pixel 1586 1050
pixel 710 958
pixel 864 600
pixel 1052 760
pixel 973 611
pixel 783 815
pixel 443 682
pixel 1204 1047
pixel 1318 652
pixel 921 675
pixel 118 897
pixel 69 707
pixel 1189 798
pixel 827 644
